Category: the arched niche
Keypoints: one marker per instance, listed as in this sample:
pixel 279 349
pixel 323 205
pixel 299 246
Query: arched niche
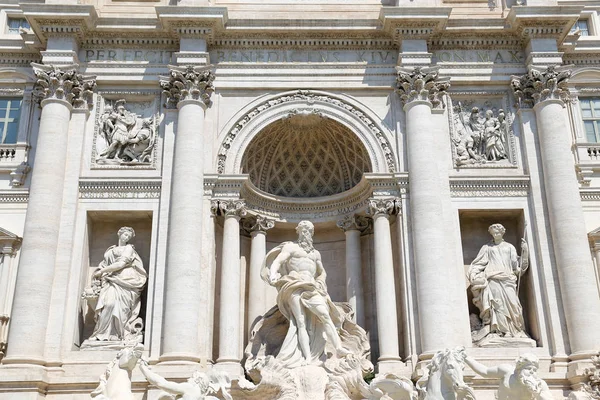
pixel 247 124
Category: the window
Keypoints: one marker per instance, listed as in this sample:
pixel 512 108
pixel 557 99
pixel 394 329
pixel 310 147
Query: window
pixel 10 110
pixel 582 26
pixel 14 24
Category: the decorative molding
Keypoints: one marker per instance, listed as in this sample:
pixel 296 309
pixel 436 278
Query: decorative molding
pixel 354 222
pixel 383 207
pixel 286 43
pixel 257 223
pixel 17 92
pixel 422 84
pixel 63 83
pixel 229 208
pixel 312 98
pixel 188 83
pixel 119 189
pixel 489 187
pixel 539 85
pixel 14 197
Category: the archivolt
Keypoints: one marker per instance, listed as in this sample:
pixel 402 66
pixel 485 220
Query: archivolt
pixel 240 132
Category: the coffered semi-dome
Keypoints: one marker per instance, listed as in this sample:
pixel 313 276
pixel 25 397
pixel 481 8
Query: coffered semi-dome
pixel 305 155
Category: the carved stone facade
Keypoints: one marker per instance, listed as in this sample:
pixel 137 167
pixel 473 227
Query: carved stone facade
pixel 312 186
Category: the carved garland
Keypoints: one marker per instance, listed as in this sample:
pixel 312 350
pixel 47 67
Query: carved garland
pixel 305 95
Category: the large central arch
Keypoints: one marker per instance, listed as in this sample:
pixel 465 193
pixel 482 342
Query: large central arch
pixel 247 124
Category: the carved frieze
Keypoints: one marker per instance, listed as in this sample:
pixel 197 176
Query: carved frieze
pixel 126 134
pixel 540 85
pixel 481 132
pixel 63 83
pixel 421 84
pixel 188 83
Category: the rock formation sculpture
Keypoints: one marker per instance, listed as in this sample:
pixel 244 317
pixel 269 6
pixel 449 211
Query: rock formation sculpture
pixel 518 382
pixel 114 295
pixel 494 276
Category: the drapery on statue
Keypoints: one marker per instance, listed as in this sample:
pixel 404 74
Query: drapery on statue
pixel 520 382
pixel 115 292
pixel 296 270
pixel 494 277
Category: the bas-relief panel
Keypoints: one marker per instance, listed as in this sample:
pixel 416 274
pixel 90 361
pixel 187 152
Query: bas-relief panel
pixel 127 130
pixel 481 131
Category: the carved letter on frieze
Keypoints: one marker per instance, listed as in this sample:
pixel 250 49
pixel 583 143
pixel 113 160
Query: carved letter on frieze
pixel 421 84
pixel 188 83
pixel 540 85
pixel 63 83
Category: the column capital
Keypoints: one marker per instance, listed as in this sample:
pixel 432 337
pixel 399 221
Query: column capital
pixel 63 83
pixel 229 208
pixel 258 223
pixel 383 207
pixel 539 85
pixel 188 83
pixel 421 84
pixel 353 222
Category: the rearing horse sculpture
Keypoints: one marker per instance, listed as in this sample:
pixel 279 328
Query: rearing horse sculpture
pixel 443 379
pixel 115 382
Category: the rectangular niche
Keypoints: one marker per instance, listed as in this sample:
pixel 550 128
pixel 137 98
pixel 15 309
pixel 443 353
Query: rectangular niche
pixel 474 226
pixel 102 228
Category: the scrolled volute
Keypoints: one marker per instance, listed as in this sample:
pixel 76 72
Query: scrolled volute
pixel 421 84
pixel 63 83
pixel 539 85
pixel 188 83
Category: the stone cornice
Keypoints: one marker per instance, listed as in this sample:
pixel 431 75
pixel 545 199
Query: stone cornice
pixel 119 189
pixel 543 21
pixel 489 187
pixel 192 21
pixel 59 19
pixel 413 22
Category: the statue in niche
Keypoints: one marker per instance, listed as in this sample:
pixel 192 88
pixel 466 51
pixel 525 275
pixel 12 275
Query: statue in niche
pixel 306 345
pixel 199 387
pixel 296 271
pixel 115 382
pixel 519 382
pixel 114 294
pixel 479 140
pixel 130 138
pixel 494 276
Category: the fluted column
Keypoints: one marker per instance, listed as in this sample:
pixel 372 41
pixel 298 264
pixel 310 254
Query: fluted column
pixel 421 91
pixel 189 88
pixel 58 90
pixel 258 227
pixel 229 311
pixel 385 289
pixel 352 226
pixel 546 90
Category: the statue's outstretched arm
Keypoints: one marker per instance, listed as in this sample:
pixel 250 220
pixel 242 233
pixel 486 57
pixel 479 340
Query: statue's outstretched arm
pixel 159 381
pixel 480 369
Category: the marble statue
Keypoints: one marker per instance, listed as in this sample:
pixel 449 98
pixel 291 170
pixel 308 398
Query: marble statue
pixel 519 382
pixel 590 388
pixel 306 346
pixel 114 294
pixel 296 271
pixel 115 382
pixel 443 378
pixel 479 140
pixel 130 138
pixel 199 387
pixel 494 276
pixel 390 387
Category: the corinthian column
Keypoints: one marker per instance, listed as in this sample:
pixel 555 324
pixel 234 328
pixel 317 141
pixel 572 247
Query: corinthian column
pixel 230 353
pixel 385 290
pixel 421 91
pixel 352 226
pixel 58 90
pixel 547 91
pixel 189 88
pixel 258 227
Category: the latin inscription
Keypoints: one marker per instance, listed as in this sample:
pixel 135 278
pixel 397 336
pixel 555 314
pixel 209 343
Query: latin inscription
pixel 479 56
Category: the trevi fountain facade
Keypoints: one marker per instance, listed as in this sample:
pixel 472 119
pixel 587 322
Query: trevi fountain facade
pixel 299 199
